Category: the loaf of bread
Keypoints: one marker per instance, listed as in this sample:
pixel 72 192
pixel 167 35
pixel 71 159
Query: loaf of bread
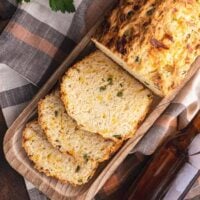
pixel 156 40
pixel 103 98
pixel 51 161
pixel 64 134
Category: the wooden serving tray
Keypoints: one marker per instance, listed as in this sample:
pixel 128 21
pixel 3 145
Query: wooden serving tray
pixel 54 189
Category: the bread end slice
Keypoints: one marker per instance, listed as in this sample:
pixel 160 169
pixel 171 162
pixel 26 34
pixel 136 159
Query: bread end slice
pixel 52 162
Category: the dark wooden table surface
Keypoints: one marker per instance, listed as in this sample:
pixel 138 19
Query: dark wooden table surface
pixel 12 186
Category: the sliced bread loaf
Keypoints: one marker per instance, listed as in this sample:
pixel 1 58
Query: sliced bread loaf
pixel 103 98
pixel 51 161
pixel 63 133
pixel 156 41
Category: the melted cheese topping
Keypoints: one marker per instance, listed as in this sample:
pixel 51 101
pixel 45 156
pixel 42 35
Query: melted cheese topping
pixel 158 40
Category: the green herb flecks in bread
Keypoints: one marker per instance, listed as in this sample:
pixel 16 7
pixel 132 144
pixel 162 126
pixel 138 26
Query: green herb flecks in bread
pixel 63 133
pixel 103 98
pixel 52 162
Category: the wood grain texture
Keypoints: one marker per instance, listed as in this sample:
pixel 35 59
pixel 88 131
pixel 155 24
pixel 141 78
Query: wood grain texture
pixel 12 185
pixel 51 187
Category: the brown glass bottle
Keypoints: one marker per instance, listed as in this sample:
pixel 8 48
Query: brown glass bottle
pixel 154 182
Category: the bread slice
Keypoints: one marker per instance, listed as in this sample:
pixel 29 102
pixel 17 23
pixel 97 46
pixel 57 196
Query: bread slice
pixel 103 98
pixel 63 133
pixel 51 161
pixel 156 41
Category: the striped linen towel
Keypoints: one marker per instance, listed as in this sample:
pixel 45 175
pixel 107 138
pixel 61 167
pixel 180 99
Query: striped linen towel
pixel 35 42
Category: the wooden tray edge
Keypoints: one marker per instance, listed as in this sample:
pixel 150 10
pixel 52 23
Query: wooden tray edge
pixel 131 143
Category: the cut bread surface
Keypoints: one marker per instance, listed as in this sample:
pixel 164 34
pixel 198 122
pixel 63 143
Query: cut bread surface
pixel 51 161
pixel 103 98
pixel 64 134
pixel 156 41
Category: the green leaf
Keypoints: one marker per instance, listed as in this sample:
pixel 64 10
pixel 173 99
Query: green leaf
pixel 70 5
pixel 53 5
pixel 62 5
pixel 58 5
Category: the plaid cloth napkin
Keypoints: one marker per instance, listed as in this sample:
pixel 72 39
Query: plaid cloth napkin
pixel 35 42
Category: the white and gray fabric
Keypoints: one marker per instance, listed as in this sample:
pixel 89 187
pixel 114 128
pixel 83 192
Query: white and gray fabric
pixel 33 44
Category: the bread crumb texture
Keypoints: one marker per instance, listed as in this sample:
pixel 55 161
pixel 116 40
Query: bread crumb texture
pixel 51 161
pixel 103 98
pixel 64 134
pixel 155 40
